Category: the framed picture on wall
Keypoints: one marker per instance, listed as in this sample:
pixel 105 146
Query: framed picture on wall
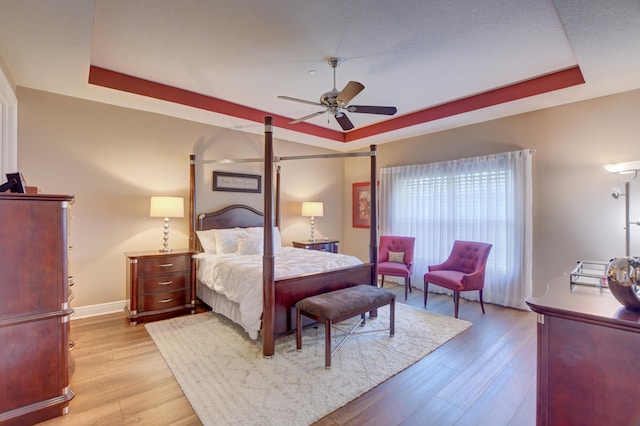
pixel 236 182
pixel 361 205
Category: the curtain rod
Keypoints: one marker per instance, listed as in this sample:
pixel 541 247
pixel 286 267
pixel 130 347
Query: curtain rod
pixel 278 159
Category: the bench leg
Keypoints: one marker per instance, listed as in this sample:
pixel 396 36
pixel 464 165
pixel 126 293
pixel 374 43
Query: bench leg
pixel 327 344
pixel 298 331
pixel 392 317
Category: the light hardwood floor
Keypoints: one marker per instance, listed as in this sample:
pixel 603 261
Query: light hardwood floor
pixel 484 376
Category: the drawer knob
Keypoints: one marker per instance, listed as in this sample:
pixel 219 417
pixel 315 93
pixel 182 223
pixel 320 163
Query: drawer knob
pixel 166 265
pixel 165 300
pixel 165 283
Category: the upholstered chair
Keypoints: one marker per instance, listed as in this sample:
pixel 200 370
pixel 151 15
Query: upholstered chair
pixel 395 258
pixel 462 271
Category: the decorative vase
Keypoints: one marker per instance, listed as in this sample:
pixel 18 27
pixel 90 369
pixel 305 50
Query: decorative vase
pixel 623 277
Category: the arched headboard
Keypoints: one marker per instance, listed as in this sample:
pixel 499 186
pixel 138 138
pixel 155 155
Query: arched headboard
pixel 236 215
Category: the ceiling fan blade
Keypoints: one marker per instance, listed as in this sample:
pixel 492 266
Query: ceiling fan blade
pixel 367 109
pixel 344 121
pixel 289 98
pixel 349 92
pixel 306 117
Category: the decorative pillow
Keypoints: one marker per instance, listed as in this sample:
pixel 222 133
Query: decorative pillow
pixel 396 256
pixel 249 246
pixel 227 239
pixel 207 240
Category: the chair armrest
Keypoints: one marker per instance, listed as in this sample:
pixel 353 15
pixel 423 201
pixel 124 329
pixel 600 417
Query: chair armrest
pixel 442 266
pixel 474 280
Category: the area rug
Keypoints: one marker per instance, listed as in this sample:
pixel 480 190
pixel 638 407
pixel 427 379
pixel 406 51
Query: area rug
pixel 228 382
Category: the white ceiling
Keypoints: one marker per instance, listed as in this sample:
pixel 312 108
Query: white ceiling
pixel 412 54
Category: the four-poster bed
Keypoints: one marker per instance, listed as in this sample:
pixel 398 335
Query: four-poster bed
pixel 280 296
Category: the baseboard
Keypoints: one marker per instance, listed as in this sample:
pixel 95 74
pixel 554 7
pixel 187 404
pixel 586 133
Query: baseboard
pixel 95 310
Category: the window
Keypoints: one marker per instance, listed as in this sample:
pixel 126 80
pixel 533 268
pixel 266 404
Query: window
pixel 8 127
pixel 479 199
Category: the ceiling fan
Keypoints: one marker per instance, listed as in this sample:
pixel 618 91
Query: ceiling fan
pixel 336 103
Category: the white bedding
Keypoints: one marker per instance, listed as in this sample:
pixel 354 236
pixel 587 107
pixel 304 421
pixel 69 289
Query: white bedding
pixel 239 278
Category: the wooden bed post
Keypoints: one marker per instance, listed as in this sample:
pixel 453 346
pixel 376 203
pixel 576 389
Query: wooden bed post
pixel 373 230
pixel 268 315
pixel 192 202
pixel 278 195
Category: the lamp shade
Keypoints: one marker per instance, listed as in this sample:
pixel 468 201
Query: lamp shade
pixel 166 207
pixel 312 208
pixel 626 166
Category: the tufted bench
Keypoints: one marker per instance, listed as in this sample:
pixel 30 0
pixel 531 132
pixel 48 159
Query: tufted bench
pixel 335 306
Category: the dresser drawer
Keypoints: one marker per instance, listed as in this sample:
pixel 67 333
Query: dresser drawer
pixel 162 283
pixel 163 265
pixel 159 301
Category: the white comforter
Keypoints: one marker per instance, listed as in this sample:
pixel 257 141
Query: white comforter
pixel 239 278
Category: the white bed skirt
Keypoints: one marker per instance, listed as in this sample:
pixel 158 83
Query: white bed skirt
pixel 223 306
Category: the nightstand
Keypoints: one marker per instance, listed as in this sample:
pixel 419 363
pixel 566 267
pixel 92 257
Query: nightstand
pixel 320 245
pixel 160 285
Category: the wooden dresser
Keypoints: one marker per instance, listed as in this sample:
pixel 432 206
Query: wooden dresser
pixel 320 245
pixel 160 285
pixel 34 308
pixel 588 357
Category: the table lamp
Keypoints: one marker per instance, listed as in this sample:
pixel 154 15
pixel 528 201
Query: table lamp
pixel 166 207
pixel 312 209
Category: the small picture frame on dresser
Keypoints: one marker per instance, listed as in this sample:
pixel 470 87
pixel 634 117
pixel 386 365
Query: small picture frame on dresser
pixel 15 183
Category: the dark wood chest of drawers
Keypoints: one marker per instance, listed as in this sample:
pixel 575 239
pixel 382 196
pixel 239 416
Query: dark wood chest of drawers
pixel 159 285
pixel 587 357
pixel 34 308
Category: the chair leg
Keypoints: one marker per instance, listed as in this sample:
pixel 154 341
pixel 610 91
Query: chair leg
pixel 407 284
pixel 382 282
pixel 481 304
pixel 426 291
pixel 456 301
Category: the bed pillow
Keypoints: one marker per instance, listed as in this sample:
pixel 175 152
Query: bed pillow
pixel 277 240
pixel 227 239
pixel 258 231
pixel 207 240
pixel 247 246
pixel 396 256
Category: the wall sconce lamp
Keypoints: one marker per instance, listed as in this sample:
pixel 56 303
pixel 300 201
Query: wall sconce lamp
pixel 312 209
pixel 627 172
pixel 166 207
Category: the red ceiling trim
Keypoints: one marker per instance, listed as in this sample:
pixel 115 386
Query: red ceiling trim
pixel 535 86
pixel 546 83
pixel 126 83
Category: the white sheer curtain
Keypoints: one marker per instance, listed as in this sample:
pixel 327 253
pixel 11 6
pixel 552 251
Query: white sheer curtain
pixel 485 199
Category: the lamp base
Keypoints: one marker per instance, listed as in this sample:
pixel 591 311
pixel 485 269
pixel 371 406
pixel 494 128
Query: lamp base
pixel 165 250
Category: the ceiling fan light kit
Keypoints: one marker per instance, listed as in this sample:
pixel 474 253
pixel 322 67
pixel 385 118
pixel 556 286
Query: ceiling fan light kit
pixel 337 102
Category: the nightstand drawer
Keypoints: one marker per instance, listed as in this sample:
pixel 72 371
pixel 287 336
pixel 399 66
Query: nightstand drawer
pixel 328 245
pixel 159 301
pixel 323 247
pixel 157 283
pixel 163 265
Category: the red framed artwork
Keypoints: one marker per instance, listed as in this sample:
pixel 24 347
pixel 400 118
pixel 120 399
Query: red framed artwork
pixel 361 205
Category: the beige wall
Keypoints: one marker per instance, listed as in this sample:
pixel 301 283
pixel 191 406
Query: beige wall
pixel 575 216
pixel 113 159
